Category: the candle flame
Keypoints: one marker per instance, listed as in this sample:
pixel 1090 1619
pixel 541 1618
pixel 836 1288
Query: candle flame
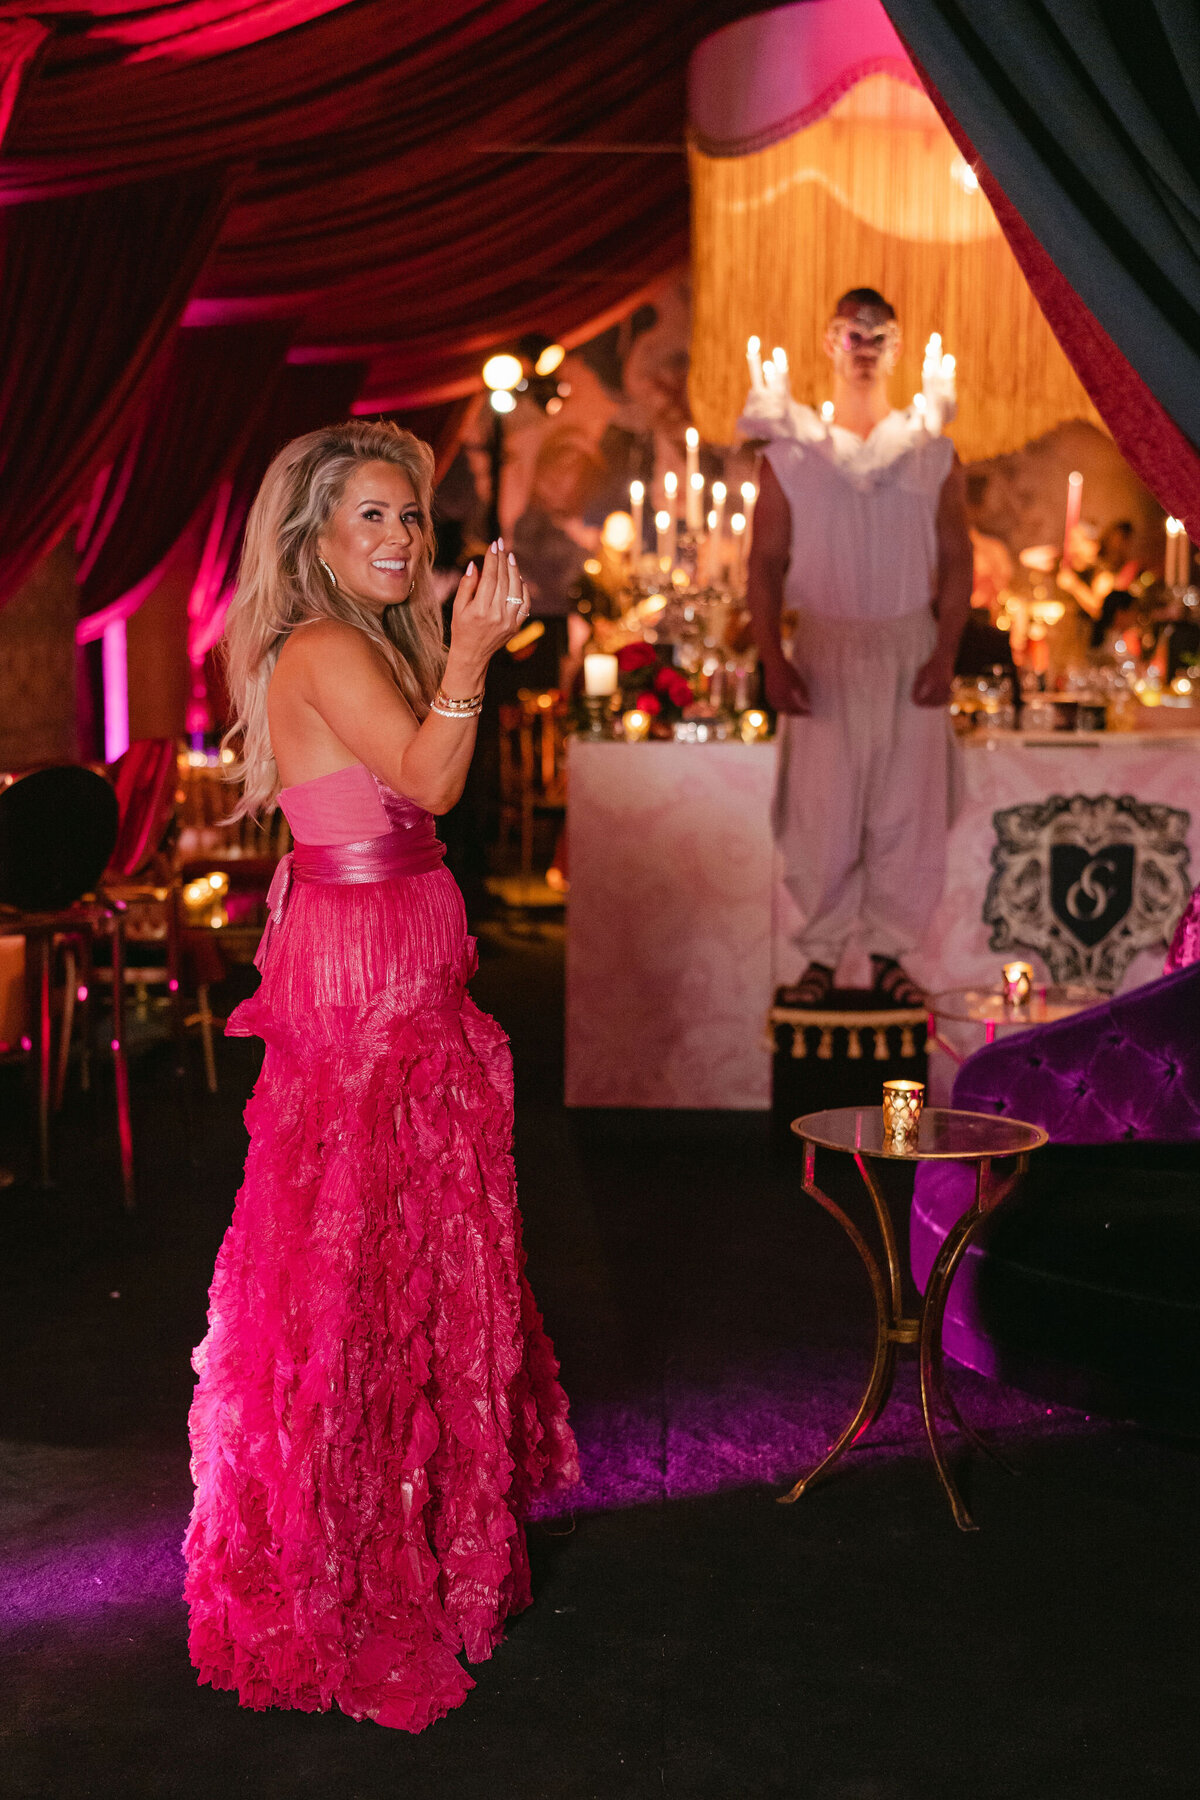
pixel 698 482
pixel 637 492
pixel 671 484
pixel 780 359
pixel 691 438
pixel 662 521
pixel 719 491
pixel 712 521
pixel 753 346
pixel 827 410
pixel 1075 478
pixel 749 492
pixel 737 524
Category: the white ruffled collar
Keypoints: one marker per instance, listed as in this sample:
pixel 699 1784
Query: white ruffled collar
pixel 865 462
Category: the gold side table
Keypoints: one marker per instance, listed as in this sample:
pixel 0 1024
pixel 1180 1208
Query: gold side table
pixel 945 1136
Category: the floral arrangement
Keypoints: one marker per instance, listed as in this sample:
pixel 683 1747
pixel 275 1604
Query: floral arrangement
pixel 650 682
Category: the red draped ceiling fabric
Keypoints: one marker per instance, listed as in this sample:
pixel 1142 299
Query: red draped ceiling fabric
pixel 91 289
pixel 415 185
pixel 420 183
pixel 202 407
pixel 301 398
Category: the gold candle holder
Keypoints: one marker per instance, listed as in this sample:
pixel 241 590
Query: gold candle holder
pixel 1018 983
pixel 903 1102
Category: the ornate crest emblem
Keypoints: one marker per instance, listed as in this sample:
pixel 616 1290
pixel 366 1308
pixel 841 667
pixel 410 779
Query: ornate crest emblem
pixel 1087 882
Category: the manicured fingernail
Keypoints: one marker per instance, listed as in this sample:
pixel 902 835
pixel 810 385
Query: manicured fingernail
pixel 512 559
pixel 471 569
pixel 499 543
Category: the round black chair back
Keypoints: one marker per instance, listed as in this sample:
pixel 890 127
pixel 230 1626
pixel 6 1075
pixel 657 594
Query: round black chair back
pixel 58 827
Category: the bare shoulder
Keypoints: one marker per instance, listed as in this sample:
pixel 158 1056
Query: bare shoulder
pixel 324 648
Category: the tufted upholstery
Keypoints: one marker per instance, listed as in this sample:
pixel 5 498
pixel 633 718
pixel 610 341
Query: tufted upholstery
pixel 1126 1072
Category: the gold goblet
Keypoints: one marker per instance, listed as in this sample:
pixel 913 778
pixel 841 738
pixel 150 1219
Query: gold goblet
pixel 1018 983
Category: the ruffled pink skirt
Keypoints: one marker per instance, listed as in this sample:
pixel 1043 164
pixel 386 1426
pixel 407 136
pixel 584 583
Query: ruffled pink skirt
pixel 378 1403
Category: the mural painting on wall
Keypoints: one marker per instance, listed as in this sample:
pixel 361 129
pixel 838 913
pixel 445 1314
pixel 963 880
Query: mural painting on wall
pixel 1087 882
pixel 622 413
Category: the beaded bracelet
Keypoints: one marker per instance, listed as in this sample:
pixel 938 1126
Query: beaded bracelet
pixel 457 712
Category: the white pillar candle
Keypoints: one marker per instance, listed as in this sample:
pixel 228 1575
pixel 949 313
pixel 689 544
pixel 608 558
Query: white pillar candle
pixel 1175 562
pixel 694 496
pixel 718 499
pixel 637 500
pixel 662 527
pixel 599 675
pixel 754 363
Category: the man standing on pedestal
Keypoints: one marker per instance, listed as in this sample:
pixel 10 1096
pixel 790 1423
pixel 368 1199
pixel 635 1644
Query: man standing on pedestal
pixel 861 529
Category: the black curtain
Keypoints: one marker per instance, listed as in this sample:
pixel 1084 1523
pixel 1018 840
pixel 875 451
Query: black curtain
pixel 1087 114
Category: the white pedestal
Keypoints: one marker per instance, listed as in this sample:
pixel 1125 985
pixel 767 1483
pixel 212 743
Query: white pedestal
pixel 669 924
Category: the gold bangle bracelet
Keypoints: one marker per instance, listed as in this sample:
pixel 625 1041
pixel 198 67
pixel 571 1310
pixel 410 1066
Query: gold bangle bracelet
pixel 471 704
pixel 459 712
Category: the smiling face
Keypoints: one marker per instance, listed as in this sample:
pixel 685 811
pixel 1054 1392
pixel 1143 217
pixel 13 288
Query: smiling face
pixel 375 539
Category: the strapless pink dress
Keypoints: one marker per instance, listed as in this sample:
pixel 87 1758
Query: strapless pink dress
pixel 377 1403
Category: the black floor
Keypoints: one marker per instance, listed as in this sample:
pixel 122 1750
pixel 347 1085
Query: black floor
pixel 689 1637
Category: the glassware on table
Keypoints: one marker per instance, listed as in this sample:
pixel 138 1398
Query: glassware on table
pixel 903 1102
pixel 1018 983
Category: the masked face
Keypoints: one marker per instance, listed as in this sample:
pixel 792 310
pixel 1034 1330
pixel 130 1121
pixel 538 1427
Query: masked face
pixel 862 345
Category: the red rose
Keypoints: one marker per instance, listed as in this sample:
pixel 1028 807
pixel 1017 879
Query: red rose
pixel 632 657
pixel 679 692
pixel 663 679
pixel 648 703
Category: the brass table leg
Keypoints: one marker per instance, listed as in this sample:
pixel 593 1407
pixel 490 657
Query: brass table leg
pixel 891 1327
pixel 120 1066
pixel 988 1195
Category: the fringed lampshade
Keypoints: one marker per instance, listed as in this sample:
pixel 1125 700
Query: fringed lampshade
pixel 818 164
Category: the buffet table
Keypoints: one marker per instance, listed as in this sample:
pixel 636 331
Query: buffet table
pixel 677 925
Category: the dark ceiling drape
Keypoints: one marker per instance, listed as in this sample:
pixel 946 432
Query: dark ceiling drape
pixel 1086 114
pixel 201 407
pixel 90 290
pixel 418 183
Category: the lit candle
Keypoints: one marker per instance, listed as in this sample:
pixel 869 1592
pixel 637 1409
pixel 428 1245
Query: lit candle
pixel 827 411
pixel 1176 560
pixel 781 368
pixel 694 498
pixel 637 500
pixel 695 501
pixel 662 526
pixel 671 489
pixel 718 500
pixel 636 724
pixel 599 675
pixel 737 526
pixel 1074 507
pixel 754 360
pixel 749 501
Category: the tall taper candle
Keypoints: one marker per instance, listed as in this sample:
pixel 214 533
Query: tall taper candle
pixel 694 497
pixel 1074 508
pixel 637 500
pixel 671 489
pixel 754 362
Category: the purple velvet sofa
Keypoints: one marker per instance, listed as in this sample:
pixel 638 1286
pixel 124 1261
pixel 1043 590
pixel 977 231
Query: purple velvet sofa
pixel 1085 1286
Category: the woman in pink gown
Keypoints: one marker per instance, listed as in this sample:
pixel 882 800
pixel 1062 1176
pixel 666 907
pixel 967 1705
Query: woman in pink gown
pixel 377 1403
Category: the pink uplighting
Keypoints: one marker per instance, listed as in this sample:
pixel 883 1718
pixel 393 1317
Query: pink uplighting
pixel 116 690
pixel 81 994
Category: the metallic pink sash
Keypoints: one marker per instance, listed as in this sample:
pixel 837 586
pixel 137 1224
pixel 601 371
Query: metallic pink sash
pixel 409 851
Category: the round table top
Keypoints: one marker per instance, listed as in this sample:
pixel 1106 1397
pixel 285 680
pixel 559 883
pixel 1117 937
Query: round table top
pixel 987 1006
pixel 945 1135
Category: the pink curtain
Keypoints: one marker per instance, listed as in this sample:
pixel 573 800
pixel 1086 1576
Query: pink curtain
pixel 91 289
pixel 202 406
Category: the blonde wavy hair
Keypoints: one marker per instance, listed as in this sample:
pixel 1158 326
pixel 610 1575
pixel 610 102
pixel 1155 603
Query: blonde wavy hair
pixel 281 584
